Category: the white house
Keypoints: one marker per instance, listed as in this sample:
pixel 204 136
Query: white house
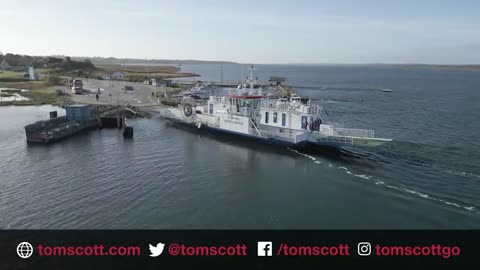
pixel 4 65
pixel 117 75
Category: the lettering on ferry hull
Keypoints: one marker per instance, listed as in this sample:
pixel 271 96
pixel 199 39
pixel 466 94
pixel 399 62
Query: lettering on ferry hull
pixel 233 120
pixel 234 123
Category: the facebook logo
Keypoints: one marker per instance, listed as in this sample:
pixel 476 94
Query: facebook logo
pixel 264 248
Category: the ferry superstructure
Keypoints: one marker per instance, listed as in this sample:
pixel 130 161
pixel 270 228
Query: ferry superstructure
pixel 249 112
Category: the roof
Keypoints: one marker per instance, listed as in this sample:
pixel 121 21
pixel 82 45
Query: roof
pixel 5 64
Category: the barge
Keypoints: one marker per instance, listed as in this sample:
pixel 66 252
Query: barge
pixel 77 119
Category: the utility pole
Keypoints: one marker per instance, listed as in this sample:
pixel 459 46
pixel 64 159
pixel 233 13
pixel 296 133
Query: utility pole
pixel 146 67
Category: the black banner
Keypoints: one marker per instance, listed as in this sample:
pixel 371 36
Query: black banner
pixel 228 249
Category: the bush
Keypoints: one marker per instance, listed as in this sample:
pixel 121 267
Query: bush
pixel 55 80
pixel 13 79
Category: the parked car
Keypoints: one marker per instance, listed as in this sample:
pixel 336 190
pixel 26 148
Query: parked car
pixel 128 88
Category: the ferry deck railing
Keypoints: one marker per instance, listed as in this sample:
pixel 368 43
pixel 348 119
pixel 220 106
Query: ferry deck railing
pixel 351 132
pixel 337 140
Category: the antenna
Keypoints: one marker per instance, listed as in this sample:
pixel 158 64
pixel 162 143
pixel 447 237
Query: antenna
pixel 251 77
pixel 243 74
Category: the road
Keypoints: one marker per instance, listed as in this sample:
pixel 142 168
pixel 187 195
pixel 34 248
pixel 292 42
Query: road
pixel 111 92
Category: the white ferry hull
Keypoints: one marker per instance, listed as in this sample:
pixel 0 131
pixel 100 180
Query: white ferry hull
pixel 197 127
pixel 210 123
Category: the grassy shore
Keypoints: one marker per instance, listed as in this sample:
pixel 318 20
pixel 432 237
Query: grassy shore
pixel 140 72
pixel 39 92
pixel 11 74
pixel 12 77
pixel 36 97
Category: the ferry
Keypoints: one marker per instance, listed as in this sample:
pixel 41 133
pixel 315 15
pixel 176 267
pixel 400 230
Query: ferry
pixel 289 120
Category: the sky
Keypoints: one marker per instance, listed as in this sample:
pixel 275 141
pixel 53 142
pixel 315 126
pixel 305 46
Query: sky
pixel 247 31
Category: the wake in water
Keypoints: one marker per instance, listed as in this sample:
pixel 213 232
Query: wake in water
pixel 424 155
pixel 462 173
pixel 402 188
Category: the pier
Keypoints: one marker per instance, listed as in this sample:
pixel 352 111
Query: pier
pixel 81 118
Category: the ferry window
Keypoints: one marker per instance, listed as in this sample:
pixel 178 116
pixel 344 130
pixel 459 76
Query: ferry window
pixel 284 119
pixel 274 117
pixel 266 117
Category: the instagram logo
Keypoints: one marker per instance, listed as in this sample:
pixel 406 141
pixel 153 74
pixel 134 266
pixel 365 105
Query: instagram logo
pixel 364 248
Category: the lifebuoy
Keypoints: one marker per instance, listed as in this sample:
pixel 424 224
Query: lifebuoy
pixel 187 110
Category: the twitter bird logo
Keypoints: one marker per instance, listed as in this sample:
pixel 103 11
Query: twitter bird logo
pixel 156 250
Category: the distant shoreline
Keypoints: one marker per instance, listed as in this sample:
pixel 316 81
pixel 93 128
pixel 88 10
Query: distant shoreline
pixel 146 62
pixel 446 67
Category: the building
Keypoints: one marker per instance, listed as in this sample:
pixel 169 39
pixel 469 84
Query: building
pixel 78 112
pixel 116 75
pixel 5 65
pixel 166 83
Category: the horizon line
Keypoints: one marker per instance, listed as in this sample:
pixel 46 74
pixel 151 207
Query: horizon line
pixel 251 63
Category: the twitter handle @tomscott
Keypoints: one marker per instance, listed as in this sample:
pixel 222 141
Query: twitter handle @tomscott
pixel 175 249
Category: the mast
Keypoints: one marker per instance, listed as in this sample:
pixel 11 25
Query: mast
pixel 251 78
pixel 243 75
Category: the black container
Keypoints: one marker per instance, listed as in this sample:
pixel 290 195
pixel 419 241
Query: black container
pixel 128 132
